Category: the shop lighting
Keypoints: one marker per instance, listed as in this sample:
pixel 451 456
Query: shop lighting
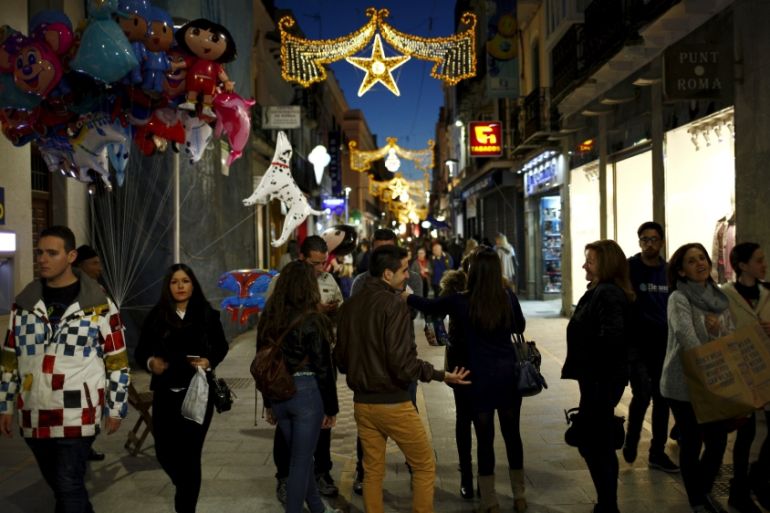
pixel 458 123
pixel 7 242
pixel 425 224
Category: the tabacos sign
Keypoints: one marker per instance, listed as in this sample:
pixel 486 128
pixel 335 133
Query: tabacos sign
pixel 486 138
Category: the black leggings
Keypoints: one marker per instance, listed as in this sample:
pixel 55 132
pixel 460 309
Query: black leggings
pixel 698 471
pixel 484 422
pixel 463 420
pixel 597 409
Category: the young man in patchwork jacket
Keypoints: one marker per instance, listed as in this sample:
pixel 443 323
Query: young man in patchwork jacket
pixel 65 337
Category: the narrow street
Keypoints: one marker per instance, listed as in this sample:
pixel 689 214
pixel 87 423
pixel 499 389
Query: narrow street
pixel 238 467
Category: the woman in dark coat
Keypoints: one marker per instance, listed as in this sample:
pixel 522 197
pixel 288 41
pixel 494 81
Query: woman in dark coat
pixel 597 357
pixel 181 333
pixel 292 317
pixel 486 316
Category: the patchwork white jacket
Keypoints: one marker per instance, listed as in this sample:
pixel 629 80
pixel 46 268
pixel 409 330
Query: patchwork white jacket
pixel 62 380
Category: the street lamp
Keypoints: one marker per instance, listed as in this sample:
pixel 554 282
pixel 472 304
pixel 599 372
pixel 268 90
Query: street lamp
pixel 347 195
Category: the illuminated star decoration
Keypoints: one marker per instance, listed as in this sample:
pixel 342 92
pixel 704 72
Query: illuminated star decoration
pixel 396 196
pixel 361 160
pixel 304 61
pixel 378 68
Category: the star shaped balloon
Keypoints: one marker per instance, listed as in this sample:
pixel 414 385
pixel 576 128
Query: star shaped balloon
pixel 378 68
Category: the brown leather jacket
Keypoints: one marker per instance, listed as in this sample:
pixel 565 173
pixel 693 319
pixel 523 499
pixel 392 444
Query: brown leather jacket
pixel 375 346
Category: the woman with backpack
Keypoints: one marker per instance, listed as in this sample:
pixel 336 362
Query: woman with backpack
pixel 292 319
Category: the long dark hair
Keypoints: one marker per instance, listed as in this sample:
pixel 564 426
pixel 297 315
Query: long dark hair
pixel 676 264
pixel 296 293
pixel 197 306
pixel 230 52
pixel 490 306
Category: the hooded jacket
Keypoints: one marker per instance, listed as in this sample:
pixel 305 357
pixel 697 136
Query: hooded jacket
pixel 55 377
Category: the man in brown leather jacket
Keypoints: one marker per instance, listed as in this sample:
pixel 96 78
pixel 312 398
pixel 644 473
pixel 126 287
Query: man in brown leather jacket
pixel 377 352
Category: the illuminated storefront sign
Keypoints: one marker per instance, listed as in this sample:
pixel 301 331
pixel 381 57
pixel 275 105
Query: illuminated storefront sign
pixel 486 138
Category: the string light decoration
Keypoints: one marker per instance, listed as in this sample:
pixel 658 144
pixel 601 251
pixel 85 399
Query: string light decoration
pixel 396 195
pixel 378 68
pixel 303 60
pixel 361 160
pixel 454 57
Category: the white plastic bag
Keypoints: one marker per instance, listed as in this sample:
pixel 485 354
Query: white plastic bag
pixel 196 398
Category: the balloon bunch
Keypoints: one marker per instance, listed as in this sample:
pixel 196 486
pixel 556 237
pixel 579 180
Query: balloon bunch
pixel 250 287
pixel 85 95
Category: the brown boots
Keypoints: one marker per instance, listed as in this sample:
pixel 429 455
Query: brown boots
pixel 488 503
pixel 517 486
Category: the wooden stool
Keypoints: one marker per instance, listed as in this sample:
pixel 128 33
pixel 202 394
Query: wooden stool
pixel 143 403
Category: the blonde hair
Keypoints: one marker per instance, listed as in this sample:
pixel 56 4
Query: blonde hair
pixel 612 265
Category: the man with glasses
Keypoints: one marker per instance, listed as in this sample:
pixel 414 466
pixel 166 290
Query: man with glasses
pixel 648 277
pixel 315 252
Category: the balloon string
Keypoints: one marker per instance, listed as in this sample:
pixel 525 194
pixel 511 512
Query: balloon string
pixel 215 241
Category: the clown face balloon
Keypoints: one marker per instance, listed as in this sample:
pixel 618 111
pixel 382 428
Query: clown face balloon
pixel 37 69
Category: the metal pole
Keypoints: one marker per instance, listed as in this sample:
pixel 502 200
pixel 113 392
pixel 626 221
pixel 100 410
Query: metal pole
pixel 177 213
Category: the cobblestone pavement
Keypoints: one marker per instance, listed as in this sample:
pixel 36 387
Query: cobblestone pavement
pixel 238 468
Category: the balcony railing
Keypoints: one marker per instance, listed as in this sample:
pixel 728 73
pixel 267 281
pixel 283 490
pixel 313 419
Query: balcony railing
pixel 537 115
pixel 567 60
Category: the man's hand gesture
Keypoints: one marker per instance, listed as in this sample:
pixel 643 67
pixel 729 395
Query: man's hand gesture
pixel 457 376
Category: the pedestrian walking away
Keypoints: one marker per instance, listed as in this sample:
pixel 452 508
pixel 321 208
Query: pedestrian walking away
pixel 377 352
pixel 487 316
pixel 292 317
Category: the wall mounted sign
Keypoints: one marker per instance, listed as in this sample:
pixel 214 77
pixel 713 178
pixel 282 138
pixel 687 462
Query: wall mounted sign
pixel 486 138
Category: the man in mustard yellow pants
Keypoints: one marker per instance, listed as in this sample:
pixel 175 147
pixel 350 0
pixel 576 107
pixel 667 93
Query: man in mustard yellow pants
pixel 376 350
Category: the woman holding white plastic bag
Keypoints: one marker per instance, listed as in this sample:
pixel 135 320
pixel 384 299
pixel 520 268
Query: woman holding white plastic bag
pixel 182 333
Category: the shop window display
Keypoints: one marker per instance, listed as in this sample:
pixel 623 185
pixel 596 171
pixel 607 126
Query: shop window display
pixel 550 226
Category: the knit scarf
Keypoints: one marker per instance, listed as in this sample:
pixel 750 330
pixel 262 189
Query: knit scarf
pixel 708 298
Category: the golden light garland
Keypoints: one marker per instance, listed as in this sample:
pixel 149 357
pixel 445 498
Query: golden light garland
pixel 304 60
pixel 396 195
pixel 454 57
pixel 361 160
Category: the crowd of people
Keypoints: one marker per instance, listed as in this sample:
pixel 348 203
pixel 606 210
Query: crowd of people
pixel 64 366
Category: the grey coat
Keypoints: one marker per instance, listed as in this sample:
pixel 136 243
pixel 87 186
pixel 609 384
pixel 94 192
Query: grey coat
pixel 686 330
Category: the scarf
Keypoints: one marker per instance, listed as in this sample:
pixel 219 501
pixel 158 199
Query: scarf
pixel 708 298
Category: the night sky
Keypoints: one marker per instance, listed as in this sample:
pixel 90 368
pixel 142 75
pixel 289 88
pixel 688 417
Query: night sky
pixel 410 117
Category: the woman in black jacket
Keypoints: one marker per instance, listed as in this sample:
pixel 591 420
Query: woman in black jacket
pixel 181 333
pixel 597 357
pixel 484 317
pixel 292 318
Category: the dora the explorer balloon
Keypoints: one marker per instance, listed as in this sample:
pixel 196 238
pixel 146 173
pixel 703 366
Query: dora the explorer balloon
pixel 211 45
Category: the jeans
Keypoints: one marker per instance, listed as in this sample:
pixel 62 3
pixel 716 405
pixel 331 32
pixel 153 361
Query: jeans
pixel 62 462
pixel 179 445
pixel 597 407
pixel 484 422
pixel 401 422
pixel 698 471
pixel 282 453
pixel 645 386
pixel 299 418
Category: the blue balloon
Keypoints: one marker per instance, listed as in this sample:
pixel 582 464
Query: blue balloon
pixel 105 53
pixel 12 98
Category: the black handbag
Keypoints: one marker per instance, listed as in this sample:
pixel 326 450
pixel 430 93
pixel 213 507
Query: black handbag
pixel 529 380
pixel 220 393
pixel 578 434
